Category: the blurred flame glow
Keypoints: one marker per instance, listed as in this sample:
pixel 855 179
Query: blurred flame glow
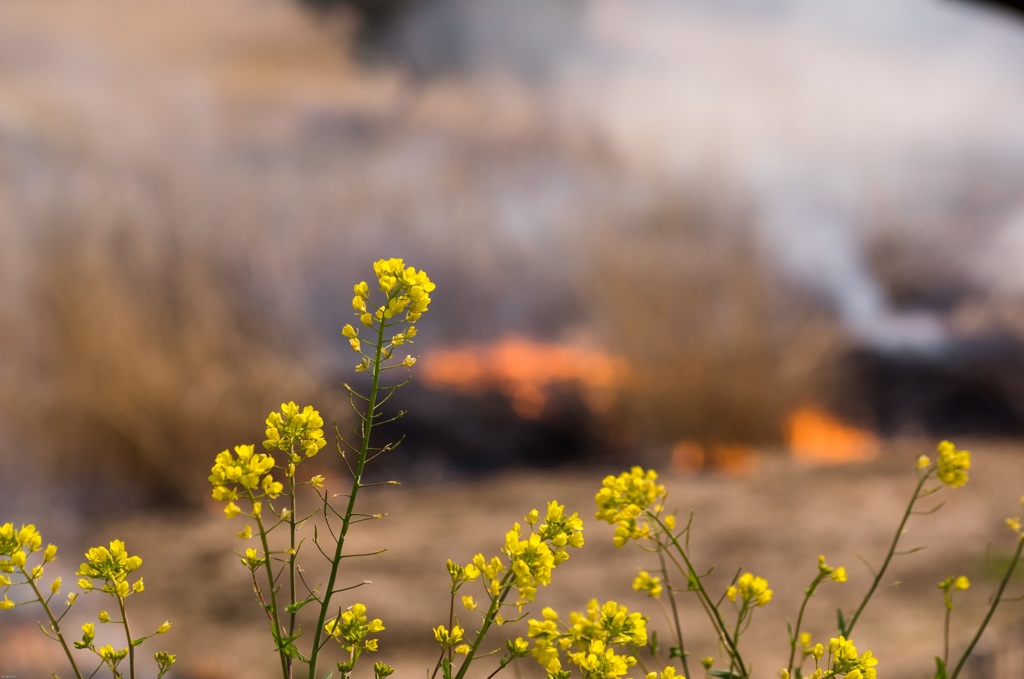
pixel 525 370
pixel 815 437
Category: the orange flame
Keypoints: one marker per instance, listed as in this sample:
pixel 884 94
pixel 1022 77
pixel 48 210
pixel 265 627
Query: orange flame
pixel 815 437
pixel 525 369
pixel 734 459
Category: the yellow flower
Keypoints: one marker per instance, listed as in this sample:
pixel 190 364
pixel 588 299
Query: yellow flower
pixel 6 604
pixel 164 626
pixel 55 587
pixel 232 510
pixel 751 588
pixel 246 532
pixel 645 582
pixel 953 465
pixel 50 554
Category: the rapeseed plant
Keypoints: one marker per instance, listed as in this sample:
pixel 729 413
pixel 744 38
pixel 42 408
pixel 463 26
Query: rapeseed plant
pixel 105 570
pixel 605 641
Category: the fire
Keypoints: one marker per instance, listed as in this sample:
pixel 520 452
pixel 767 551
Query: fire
pixel 734 459
pixel 525 370
pixel 816 437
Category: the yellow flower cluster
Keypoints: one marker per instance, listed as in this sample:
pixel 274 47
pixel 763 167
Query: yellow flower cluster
pixel 246 469
pixel 588 640
pixel 750 589
pixel 837 574
pixel 111 567
pixel 531 557
pixel 352 628
pixel 452 638
pixel 623 500
pixel 952 464
pixel 15 548
pixel 645 582
pixel 407 292
pixel 293 429
pixel 845 660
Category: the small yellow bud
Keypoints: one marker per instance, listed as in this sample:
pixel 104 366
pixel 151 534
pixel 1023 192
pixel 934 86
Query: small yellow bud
pixel 6 604
pixel 55 587
pixel 50 554
pixel 138 586
pixel 232 510
pixel 18 559
pixel 923 462
pixel 961 583
pixel 707 662
pixel 348 331
pixel 162 629
pixel 246 533
pixel 104 616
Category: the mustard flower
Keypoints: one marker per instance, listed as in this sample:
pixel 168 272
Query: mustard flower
pixel 952 464
pixel 111 567
pixel 845 660
pixel 351 629
pixel 949 585
pixel 837 574
pixel 645 582
pixel 294 429
pixel 624 499
pixel 750 589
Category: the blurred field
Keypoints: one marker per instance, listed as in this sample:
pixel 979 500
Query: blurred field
pixel 747 216
pixel 774 521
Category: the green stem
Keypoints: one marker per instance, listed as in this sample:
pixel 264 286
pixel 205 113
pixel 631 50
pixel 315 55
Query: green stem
pixel 675 612
pixel 709 605
pixel 128 634
pixel 992 609
pixel 346 522
pixel 892 551
pixel 292 556
pixel 273 612
pixel 800 618
pixel 506 587
pixel 54 625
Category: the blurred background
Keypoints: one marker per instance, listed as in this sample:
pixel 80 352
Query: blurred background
pixel 698 234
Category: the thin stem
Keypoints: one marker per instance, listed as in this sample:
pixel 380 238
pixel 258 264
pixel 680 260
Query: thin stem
pixel 53 624
pixel 800 618
pixel 675 612
pixel 128 635
pixel 709 606
pixel 945 637
pixel 367 429
pixel 292 556
pixel 892 551
pixel 492 613
pixel 273 611
pixel 992 609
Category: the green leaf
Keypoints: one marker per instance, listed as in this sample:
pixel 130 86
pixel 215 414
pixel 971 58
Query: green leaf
pixel 940 669
pixel 675 652
pixel 841 622
pixel 329 675
pixel 138 642
pixel 724 674
pixel 652 643
pixel 293 608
